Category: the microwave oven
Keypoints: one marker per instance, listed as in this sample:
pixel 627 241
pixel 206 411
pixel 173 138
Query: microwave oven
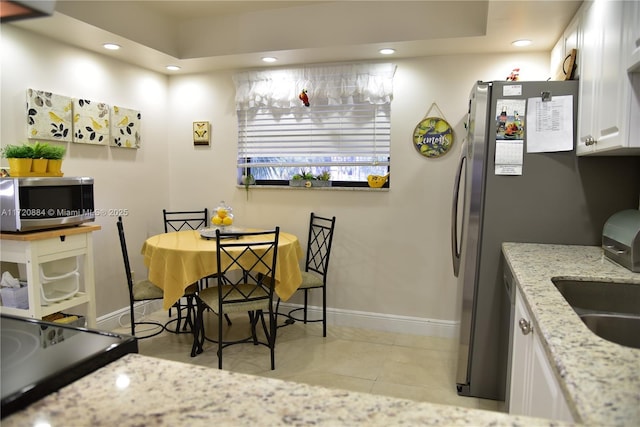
pixel 28 204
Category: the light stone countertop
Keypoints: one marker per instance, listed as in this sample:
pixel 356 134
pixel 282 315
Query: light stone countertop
pixel 145 391
pixel 601 379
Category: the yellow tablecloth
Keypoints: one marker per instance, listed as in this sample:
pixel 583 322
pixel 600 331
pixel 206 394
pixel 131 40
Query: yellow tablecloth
pixel 177 260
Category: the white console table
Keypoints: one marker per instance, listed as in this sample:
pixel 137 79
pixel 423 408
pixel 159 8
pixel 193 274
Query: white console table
pixel 40 247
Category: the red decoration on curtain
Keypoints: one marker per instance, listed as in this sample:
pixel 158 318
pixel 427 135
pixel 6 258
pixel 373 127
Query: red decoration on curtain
pixel 304 98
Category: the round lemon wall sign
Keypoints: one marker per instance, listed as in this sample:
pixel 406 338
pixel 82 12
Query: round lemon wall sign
pixel 433 137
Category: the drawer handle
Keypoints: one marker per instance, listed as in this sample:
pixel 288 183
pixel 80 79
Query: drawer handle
pixel 525 326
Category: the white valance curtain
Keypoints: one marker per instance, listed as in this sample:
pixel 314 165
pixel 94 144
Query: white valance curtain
pixel 325 85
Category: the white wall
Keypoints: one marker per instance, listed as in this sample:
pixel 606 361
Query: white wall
pixel 130 179
pixel 391 251
pixel 391 256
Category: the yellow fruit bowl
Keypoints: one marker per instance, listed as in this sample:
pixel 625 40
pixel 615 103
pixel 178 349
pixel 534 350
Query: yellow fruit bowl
pixel 222 215
pixel 377 181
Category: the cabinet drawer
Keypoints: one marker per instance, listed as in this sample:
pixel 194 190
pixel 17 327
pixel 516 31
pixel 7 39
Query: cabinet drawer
pixel 61 244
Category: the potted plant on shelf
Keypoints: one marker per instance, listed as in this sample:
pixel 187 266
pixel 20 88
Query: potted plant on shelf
pixel 20 159
pixel 55 154
pixel 39 164
pixel 247 180
pixel 323 180
pixel 302 179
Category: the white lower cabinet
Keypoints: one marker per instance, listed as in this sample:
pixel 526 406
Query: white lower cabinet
pixel 534 391
pixel 55 263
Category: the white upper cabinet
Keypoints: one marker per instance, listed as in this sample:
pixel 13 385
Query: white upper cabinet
pixel 632 15
pixel 608 101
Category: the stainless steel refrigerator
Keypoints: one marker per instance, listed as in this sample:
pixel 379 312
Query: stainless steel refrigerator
pixel 505 192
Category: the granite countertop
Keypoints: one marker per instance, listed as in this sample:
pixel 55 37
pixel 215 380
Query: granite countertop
pixel 600 379
pixel 140 390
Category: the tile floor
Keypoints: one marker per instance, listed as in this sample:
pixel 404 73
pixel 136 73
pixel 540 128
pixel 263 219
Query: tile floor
pixel 399 365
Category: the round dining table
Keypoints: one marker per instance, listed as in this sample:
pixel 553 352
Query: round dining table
pixel 178 259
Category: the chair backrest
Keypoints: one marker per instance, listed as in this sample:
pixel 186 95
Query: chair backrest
pixel 319 244
pixel 184 220
pixel 125 257
pixel 246 258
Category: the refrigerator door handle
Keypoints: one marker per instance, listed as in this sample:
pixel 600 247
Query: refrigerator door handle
pixel 455 248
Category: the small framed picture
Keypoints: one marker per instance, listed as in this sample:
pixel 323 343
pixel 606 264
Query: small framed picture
pixel 201 132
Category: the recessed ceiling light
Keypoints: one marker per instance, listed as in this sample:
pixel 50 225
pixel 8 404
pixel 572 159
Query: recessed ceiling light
pixel 172 67
pixel 387 51
pixel 111 46
pixel 269 59
pixel 521 43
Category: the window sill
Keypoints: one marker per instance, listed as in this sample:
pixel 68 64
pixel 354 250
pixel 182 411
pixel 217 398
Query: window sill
pixel 288 187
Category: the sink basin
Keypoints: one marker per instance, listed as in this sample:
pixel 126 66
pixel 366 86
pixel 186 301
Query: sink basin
pixel 610 310
pixel 617 328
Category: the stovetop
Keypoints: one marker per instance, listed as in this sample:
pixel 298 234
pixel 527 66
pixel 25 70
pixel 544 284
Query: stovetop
pixel 39 357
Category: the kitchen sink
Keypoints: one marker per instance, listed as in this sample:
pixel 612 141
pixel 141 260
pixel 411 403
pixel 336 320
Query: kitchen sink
pixel 610 310
pixel 619 328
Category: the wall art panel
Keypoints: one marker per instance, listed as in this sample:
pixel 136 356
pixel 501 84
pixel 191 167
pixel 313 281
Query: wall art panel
pixel 90 122
pixel 49 116
pixel 125 127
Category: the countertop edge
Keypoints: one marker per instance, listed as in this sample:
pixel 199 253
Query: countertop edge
pixel 142 390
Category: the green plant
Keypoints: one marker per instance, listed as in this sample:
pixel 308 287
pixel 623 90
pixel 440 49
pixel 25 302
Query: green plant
pixel 324 176
pixel 248 180
pixel 38 149
pixel 23 151
pixel 303 175
pixel 53 152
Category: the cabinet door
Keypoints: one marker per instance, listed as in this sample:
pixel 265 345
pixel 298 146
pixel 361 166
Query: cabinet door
pixel 546 399
pixel 588 54
pixel 605 87
pixel 613 107
pixel 632 24
pixel 520 361
pixel 534 391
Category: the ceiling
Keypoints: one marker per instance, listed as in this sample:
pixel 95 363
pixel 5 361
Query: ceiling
pixel 201 36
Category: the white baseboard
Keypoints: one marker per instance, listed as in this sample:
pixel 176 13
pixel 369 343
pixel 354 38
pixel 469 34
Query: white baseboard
pixel 382 322
pixel 349 318
pixel 120 318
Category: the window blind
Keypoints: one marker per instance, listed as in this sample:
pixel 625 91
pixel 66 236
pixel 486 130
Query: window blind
pixel 330 135
pixel 346 130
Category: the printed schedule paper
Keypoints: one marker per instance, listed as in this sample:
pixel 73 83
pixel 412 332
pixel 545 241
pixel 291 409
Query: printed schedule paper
pixel 550 124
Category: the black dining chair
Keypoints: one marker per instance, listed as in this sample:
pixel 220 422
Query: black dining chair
pixel 142 290
pixel 245 283
pixel 188 220
pixel 178 221
pixel 185 220
pixel 316 268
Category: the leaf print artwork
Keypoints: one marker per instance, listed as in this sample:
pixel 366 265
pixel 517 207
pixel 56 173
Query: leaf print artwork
pixel 125 127
pixel 90 122
pixel 49 116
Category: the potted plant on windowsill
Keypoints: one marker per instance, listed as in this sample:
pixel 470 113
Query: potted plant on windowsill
pixel 247 180
pixel 55 154
pixel 302 179
pixel 20 159
pixel 322 180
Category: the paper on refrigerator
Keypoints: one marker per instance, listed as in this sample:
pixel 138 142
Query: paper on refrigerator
pixel 510 128
pixel 550 124
pixel 508 159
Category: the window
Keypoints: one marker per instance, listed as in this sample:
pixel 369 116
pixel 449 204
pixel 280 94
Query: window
pixel 345 131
